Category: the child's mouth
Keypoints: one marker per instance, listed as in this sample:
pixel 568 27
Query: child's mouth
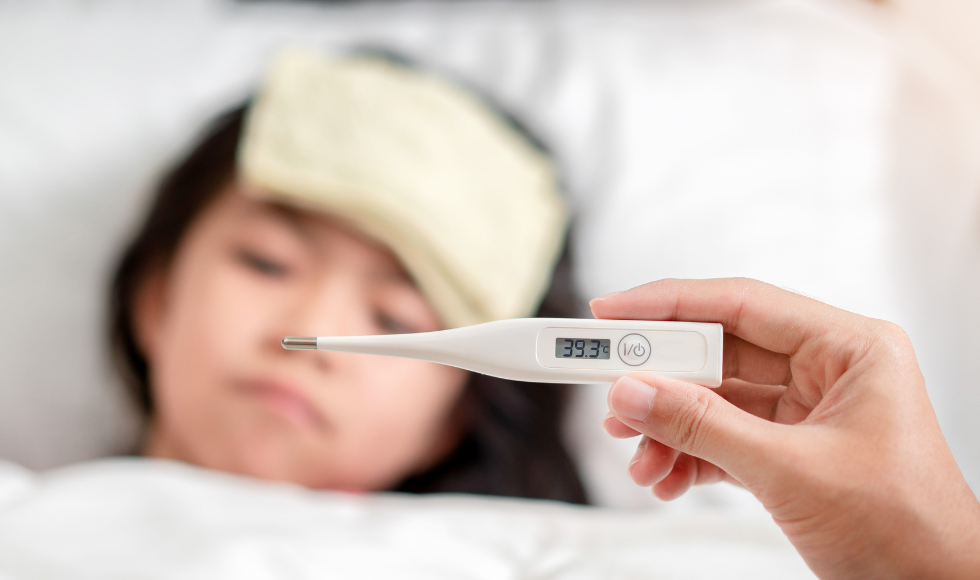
pixel 286 400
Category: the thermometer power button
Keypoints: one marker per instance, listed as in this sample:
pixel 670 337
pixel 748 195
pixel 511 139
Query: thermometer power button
pixel 634 349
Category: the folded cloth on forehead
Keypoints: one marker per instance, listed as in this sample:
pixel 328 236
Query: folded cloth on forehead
pixel 467 203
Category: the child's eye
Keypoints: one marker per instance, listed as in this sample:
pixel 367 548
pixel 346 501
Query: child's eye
pixel 262 264
pixel 391 325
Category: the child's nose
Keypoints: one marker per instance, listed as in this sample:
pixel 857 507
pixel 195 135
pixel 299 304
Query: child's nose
pixel 335 307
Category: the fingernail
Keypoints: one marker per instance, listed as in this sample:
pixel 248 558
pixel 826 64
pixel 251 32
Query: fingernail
pixel 637 456
pixel 605 296
pixel 606 420
pixel 640 448
pixel 631 398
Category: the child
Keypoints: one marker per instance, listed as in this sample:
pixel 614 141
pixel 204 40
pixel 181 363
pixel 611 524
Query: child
pixel 354 196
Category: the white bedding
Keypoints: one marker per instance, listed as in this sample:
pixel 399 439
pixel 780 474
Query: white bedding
pixel 135 518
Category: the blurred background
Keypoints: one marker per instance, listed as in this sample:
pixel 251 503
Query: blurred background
pixel 827 146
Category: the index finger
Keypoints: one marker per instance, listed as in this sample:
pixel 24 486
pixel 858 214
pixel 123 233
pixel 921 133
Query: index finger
pixel 765 315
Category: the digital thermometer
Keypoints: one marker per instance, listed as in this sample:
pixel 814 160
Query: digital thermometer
pixel 553 350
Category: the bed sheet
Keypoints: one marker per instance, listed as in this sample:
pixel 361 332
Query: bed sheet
pixel 136 518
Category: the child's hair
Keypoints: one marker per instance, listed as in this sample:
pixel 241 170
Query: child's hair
pixel 512 444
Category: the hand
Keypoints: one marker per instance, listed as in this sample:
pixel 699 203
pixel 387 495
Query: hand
pixel 823 416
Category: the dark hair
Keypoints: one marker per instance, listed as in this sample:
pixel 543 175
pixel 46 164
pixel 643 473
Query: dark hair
pixel 511 444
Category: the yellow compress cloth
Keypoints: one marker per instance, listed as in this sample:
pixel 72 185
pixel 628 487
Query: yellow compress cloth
pixel 467 204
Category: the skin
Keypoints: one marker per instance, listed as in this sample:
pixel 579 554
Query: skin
pixel 229 397
pixel 823 416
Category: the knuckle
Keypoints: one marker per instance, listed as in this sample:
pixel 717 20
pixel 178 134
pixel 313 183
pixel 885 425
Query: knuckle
pixel 892 332
pixel 669 285
pixel 688 423
pixel 740 290
pixel 742 285
pixel 891 339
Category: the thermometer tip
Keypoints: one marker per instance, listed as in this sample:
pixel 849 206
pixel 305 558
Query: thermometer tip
pixel 299 343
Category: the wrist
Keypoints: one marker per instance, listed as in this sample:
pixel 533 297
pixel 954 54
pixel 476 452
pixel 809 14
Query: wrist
pixel 947 547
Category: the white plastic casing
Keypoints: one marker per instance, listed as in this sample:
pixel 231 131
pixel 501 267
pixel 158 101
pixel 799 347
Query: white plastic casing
pixel 524 349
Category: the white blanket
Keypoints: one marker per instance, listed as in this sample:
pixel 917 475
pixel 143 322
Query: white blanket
pixel 138 518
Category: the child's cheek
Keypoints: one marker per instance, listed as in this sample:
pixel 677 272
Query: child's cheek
pixel 239 314
pixel 208 324
pixel 413 400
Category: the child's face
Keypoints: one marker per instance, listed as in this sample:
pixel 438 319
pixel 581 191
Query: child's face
pixel 229 397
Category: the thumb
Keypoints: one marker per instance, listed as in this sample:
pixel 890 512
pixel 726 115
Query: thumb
pixel 695 420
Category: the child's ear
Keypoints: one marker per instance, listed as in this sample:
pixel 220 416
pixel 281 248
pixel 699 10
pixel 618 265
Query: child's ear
pixel 149 308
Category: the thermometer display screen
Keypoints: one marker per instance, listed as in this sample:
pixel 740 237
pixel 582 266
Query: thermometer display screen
pixel 582 348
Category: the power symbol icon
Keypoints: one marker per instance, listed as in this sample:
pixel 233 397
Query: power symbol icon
pixel 634 349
